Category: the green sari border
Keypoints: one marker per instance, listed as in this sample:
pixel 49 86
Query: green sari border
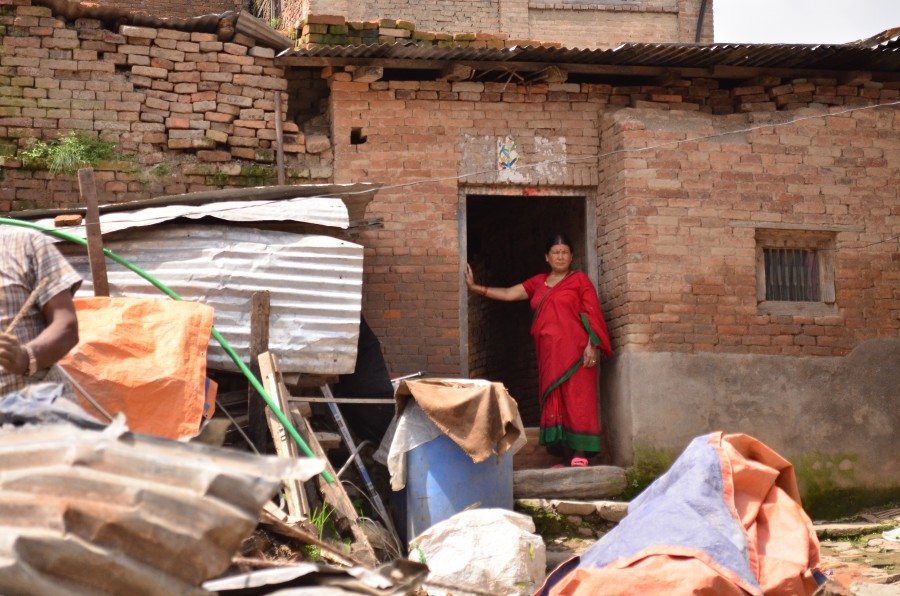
pixel 556 435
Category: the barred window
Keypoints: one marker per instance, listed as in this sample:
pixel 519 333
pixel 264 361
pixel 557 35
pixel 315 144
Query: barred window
pixel 792 274
pixel 795 271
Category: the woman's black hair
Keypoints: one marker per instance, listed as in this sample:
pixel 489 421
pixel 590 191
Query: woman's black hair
pixel 554 240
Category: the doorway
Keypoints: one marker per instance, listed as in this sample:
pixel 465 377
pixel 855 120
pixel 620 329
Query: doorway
pixel 505 244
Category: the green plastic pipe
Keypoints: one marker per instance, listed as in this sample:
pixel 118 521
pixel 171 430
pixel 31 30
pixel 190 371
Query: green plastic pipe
pixel 215 332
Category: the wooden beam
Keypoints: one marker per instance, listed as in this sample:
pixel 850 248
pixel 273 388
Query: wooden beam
pixel 590 483
pixel 257 425
pixel 294 495
pixel 88 190
pixel 368 74
pixel 719 72
pixel 279 139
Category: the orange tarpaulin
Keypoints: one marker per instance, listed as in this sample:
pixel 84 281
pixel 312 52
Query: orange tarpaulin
pixel 145 358
pixel 725 519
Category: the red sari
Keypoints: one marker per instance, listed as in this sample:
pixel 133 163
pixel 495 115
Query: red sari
pixel 566 317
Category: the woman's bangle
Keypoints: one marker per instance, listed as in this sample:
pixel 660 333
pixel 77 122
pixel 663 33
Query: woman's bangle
pixel 484 292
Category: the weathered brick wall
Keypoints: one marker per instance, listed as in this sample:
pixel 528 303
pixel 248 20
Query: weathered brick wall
pixel 689 213
pixel 448 15
pixel 598 29
pixel 676 275
pixel 178 8
pixel 186 111
pixel 574 23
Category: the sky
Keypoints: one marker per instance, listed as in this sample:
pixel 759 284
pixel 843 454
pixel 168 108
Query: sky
pixel 802 21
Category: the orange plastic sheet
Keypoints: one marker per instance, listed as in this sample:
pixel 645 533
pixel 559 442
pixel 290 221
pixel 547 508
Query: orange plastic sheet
pixel 145 358
pixel 759 489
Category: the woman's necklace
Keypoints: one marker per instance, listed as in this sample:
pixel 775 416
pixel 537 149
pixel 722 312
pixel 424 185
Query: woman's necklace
pixel 553 279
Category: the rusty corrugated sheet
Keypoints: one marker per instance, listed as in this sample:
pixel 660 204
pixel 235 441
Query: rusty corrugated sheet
pixel 882 56
pixel 88 512
pixel 315 284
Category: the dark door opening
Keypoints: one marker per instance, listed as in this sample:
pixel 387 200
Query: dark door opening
pixel 505 239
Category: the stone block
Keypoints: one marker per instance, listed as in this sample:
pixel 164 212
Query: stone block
pixel 317 143
pixel 138 32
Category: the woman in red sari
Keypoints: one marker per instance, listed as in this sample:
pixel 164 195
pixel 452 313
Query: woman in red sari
pixel 568 331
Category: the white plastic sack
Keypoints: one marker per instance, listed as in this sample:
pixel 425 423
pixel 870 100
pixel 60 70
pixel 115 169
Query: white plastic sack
pixel 487 550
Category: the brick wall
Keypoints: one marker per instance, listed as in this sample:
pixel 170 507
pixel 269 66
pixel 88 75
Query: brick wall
pixel 178 8
pixel 437 130
pixel 690 214
pixel 677 267
pixel 599 23
pixel 188 112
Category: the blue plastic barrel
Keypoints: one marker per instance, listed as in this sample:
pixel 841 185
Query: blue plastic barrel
pixel 441 481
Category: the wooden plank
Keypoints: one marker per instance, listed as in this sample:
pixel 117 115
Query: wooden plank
pixel 279 139
pixel 294 495
pixel 335 495
pixel 593 482
pixel 343 400
pixel 88 190
pixel 258 426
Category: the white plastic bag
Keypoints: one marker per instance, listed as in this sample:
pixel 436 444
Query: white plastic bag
pixel 486 550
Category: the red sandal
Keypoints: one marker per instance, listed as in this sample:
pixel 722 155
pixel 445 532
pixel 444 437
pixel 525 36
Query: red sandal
pixel 579 462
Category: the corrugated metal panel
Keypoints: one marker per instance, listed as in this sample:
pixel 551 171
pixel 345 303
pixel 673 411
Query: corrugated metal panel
pixel 315 284
pixel 313 210
pixel 87 512
pixel 880 56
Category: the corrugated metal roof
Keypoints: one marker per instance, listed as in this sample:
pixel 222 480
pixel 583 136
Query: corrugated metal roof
pixel 88 512
pixel 312 210
pixel 356 197
pixel 878 57
pixel 315 284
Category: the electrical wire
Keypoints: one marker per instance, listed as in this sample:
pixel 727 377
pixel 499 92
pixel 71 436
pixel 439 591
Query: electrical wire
pixel 560 161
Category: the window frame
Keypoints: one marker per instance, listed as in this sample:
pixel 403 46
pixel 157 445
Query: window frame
pixel 823 243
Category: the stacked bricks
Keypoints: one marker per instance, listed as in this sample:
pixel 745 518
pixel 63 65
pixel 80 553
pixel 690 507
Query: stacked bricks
pixel 336 30
pixel 166 97
pixel 574 24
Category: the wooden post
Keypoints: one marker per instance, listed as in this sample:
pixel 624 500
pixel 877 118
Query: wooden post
pixel 88 190
pixel 257 425
pixel 279 140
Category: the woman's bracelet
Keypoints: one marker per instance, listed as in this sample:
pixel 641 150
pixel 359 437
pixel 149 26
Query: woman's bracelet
pixel 485 291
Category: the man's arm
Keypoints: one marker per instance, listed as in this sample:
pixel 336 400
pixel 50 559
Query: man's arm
pixel 54 342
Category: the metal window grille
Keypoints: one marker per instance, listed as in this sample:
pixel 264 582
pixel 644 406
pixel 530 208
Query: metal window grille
pixel 792 274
